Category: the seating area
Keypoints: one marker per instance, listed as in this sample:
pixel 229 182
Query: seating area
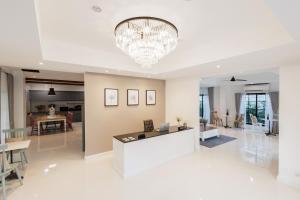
pixel 16 145
pixel 234 104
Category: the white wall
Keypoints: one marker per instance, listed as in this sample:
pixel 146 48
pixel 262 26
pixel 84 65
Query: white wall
pixel 19 99
pixel 227 101
pixel 217 99
pixel 289 137
pixel 182 100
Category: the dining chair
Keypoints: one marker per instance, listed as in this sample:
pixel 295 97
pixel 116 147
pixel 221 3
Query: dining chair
pixel 17 134
pixel 6 169
pixel 70 120
pixel 148 125
pixel 33 124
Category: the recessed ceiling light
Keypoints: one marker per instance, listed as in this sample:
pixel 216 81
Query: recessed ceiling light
pixel 218 66
pixel 251 179
pixel 41 63
pixel 96 8
pixel 106 71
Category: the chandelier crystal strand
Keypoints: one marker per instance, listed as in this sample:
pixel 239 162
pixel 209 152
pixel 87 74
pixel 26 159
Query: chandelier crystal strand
pixel 146 39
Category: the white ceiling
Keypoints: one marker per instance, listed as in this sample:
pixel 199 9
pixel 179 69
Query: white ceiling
pixel 239 35
pixel 19 38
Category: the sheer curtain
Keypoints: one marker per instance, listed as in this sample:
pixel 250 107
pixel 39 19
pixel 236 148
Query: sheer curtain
pixel 4 106
pixel 268 112
pixel 206 108
pixel 243 107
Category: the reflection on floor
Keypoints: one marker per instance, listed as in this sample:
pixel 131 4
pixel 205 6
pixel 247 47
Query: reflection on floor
pixel 241 169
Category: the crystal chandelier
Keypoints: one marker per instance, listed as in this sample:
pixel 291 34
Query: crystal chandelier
pixel 146 39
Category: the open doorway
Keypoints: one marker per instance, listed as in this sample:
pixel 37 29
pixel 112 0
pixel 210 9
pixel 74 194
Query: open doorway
pixel 55 112
pixel 245 108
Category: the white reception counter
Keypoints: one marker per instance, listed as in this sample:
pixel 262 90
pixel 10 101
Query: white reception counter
pixel 132 155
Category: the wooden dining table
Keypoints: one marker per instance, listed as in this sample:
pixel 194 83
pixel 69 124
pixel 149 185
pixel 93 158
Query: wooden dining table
pixel 48 118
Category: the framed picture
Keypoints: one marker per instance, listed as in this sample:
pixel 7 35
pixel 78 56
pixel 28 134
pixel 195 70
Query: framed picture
pixel 111 97
pixel 132 97
pixel 150 97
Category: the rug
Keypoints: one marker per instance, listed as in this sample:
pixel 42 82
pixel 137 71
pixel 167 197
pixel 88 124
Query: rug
pixel 216 141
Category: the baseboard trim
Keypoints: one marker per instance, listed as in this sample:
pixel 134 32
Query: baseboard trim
pixel 99 155
pixel 292 181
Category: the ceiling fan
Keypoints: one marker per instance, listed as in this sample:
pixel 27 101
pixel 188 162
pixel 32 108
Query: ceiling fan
pixel 233 79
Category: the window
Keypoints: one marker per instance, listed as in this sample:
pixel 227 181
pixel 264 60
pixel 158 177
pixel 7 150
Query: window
pixel 201 112
pixel 204 109
pixel 256 105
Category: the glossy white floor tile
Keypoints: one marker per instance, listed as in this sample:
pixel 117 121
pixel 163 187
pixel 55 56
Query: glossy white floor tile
pixel 242 169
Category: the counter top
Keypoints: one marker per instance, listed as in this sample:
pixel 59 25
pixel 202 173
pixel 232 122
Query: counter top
pixel 132 137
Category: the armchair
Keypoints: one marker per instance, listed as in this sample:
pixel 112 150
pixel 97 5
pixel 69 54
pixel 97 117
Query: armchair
pixel 239 121
pixel 254 121
pixel 216 120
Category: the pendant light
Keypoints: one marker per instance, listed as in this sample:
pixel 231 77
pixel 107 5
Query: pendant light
pixel 51 91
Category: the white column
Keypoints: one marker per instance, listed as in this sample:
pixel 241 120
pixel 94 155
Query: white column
pixel 182 100
pixel 289 116
pixel 19 99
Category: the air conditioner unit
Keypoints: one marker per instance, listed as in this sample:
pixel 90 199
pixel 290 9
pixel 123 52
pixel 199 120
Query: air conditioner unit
pixel 257 88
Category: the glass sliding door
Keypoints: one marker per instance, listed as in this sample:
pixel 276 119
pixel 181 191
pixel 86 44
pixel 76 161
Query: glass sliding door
pixel 201 112
pixel 256 105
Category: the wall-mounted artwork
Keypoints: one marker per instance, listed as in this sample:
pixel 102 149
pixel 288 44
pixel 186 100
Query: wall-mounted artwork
pixel 150 97
pixel 132 97
pixel 111 97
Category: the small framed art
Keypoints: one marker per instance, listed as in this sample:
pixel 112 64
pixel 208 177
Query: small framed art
pixel 132 97
pixel 150 97
pixel 111 97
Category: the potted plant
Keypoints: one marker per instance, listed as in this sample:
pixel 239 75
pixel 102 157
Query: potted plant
pixel 178 119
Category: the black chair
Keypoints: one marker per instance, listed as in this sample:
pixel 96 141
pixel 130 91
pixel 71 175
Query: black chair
pixel 148 125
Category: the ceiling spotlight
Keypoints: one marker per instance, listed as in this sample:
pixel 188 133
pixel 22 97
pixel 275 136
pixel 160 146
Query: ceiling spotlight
pixel 96 9
pixel 218 66
pixel 41 63
pixel 106 71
